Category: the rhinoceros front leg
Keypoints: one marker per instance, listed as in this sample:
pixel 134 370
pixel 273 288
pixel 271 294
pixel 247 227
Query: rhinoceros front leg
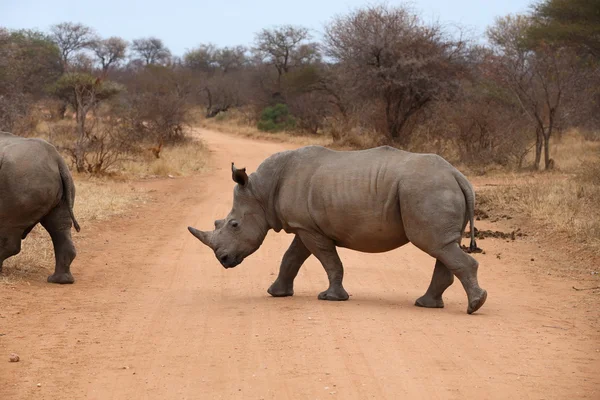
pixel 325 251
pixel 58 225
pixel 293 259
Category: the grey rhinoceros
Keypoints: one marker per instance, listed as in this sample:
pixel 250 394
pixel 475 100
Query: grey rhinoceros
pixel 36 187
pixel 371 201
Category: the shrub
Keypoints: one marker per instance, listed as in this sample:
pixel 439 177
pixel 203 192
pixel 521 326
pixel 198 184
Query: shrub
pixel 157 103
pixel 276 118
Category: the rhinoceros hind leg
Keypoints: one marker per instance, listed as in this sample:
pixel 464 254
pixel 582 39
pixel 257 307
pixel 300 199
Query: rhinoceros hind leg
pixel 337 294
pixel 10 245
pixel 65 278
pixel 58 224
pixel 325 251
pixel 440 281
pixel 293 259
pixel 465 268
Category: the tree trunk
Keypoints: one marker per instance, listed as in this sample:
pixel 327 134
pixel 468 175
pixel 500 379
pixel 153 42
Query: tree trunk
pixel 539 141
pixel 62 110
pixel 548 163
pixel 209 98
pixel 393 130
pixel 80 146
pixel 391 118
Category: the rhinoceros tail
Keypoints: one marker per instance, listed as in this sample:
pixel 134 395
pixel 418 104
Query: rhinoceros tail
pixel 469 194
pixel 68 189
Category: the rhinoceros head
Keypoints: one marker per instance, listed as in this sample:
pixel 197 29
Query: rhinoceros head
pixel 243 230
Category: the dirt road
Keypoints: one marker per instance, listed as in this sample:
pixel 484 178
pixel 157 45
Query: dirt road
pixel 154 316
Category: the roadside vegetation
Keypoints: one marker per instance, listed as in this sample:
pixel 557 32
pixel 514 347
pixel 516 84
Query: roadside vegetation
pixel 523 107
pixel 562 204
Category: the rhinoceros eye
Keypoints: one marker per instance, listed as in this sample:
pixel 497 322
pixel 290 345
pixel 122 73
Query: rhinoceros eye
pixel 234 223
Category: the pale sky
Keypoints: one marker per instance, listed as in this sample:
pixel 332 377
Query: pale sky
pixel 183 24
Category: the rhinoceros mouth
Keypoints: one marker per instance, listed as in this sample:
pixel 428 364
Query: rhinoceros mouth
pixel 229 262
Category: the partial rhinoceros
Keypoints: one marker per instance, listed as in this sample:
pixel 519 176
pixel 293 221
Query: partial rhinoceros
pixel 370 200
pixel 36 187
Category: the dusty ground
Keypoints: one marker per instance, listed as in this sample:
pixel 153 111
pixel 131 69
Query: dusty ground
pixel 153 315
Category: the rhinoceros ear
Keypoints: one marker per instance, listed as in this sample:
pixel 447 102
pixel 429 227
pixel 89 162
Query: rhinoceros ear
pixel 239 175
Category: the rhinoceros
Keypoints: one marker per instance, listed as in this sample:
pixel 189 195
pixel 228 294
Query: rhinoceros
pixel 36 187
pixel 371 201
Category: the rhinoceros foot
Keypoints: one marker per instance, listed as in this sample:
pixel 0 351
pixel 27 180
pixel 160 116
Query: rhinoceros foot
pixel 280 289
pixel 429 302
pixel 61 278
pixel 477 301
pixel 338 294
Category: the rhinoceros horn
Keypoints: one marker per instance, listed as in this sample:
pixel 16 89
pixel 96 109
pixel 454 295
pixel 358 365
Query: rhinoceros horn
pixel 204 237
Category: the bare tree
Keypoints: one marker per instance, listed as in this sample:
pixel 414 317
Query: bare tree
pixel 231 58
pixel 219 72
pixel 83 92
pixel 203 58
pixel 109 52
pixel 151 50
pixel 158 102
pixel 285 47
pixel 537 76
pixel 223 91
pixel 393 61
pixel 29 61
pixel 82 62
pixel 71 38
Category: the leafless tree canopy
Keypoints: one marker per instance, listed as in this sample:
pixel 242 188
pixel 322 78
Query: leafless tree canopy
pixel 285 47
pixel 389 56
pixel 203 58
pixel 231 58
pixel 71 38
pixel 151 50
pixel 109 52
pixel 381 74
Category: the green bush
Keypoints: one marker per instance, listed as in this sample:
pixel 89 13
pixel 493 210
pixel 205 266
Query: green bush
pixel 276 118
pixel 222 116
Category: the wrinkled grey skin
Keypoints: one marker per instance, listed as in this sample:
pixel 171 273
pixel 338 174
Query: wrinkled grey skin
pixel 371 201
pixel 36 187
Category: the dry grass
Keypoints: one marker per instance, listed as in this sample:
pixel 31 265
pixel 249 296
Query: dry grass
pixel 236 123
pixel 566 201
pixel 177 160
pixel 96 200
pixel 181 159
pixel 572 151
pixel 560 203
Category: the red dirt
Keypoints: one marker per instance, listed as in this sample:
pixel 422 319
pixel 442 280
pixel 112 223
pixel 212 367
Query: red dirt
pixel 153 315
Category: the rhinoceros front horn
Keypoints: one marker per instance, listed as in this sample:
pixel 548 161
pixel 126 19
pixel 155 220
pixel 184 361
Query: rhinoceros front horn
pixel 204 237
